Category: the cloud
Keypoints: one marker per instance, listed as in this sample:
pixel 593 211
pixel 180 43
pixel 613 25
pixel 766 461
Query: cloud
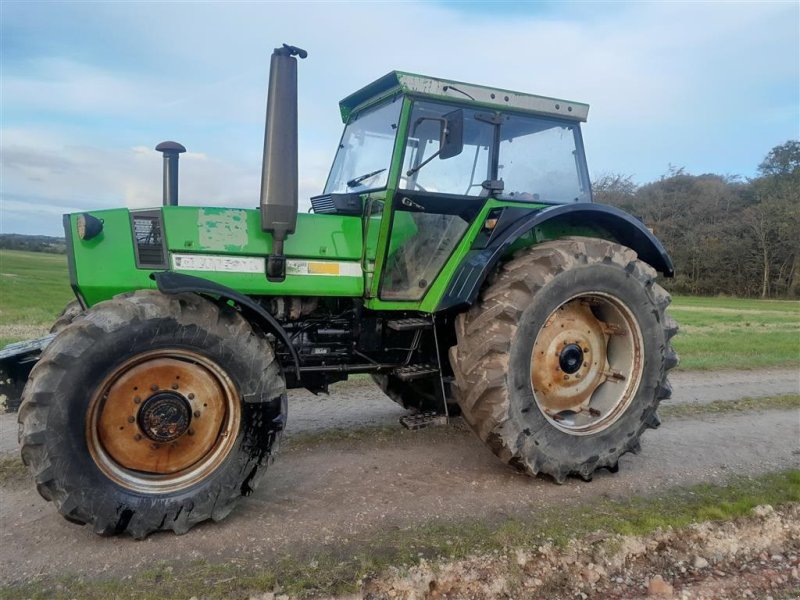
pixel 88 90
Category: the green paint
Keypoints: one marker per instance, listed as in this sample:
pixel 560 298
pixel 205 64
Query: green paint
pixel 105 265
pixel 316 236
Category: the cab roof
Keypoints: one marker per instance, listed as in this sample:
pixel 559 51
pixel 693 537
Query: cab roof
pixel 445 89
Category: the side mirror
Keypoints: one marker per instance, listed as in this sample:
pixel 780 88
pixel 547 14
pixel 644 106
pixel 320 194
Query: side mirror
pixel 451 136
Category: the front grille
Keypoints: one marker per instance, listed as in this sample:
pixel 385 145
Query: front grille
pixel 338 204
pixel 148 238
pixel 323 204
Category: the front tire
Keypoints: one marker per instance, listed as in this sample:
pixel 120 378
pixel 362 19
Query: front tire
pixel 561 365
pixel 152 412
pixel 71 311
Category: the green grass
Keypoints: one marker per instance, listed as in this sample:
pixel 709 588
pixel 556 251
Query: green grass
pixel 339 568
pixel 716 333
pixel 34 288
pixel 734 333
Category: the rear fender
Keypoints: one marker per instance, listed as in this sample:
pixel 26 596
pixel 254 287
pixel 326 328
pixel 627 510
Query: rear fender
pixel 567 219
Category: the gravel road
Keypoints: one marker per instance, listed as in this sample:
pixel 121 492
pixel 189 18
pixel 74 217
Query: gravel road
pixel 361 404
pixel 331 492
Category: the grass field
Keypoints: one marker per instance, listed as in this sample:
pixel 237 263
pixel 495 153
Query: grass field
pixel 718 333
pixel 34 288
pixel 715 332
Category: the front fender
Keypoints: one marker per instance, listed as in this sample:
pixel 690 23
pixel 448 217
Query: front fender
pixel 614 223
pixel 170 282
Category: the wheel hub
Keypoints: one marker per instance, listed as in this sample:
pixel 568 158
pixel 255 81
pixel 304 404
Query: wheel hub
pixel 162 419
pixel 570 359
pixel 165 416
pixel 586 363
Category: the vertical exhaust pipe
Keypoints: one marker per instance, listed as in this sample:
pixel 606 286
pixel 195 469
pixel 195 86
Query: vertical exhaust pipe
pixel 171 152
pixel 279 174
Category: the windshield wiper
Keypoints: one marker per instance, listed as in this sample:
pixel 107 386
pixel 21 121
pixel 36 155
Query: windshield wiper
pixel 356 180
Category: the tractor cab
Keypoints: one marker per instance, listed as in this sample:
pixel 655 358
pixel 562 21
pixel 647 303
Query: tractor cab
pixel 421 157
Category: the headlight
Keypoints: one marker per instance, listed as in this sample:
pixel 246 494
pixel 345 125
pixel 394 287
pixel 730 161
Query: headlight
pixel 88 226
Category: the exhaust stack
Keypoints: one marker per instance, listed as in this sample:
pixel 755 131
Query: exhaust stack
pixel 279 173
pixel 171 152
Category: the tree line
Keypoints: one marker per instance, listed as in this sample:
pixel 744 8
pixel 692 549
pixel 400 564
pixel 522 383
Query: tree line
pixel 32 243
pixel 724 234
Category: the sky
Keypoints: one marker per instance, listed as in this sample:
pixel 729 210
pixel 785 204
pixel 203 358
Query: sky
pixel 87 89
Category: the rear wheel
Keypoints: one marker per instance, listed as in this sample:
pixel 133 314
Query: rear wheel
pixel 562 363
pixel 152 412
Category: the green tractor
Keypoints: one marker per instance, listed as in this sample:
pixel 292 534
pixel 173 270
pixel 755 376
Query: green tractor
pixel 455 255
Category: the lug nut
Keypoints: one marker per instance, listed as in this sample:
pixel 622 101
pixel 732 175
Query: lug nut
pixel 174 386
pixel 191 396
pixel 154 387
pixel 137 437
pixel 190 432
pixel 585 349
pixel 196 413
pixel 136 400
pixel 131 419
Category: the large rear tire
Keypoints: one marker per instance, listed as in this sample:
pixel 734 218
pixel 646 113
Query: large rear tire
pixel 152 412
pixel 562 363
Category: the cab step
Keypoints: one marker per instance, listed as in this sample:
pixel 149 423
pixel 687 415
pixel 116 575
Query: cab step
pixel 412 372
pixel 410 324
pixel 421 420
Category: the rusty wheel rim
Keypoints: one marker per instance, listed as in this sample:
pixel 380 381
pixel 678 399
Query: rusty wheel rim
pixel 163 420
pixel 586 363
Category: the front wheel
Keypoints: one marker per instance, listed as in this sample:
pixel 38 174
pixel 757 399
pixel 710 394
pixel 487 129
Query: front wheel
pixel 152 412
pixel 561 365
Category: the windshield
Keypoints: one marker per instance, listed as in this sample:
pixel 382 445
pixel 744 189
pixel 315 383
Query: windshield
pixel 365 152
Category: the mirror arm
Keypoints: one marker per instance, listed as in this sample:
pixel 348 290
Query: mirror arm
pixel 413 170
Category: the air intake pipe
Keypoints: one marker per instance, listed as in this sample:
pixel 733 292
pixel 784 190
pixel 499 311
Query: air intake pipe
pixel 171 152
pixel 279 173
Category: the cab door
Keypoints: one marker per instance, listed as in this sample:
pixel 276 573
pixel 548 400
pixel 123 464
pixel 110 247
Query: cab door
pixel 440 194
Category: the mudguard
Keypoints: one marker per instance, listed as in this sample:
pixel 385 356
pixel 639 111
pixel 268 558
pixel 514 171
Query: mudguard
pixel 513 223
pixel 178 283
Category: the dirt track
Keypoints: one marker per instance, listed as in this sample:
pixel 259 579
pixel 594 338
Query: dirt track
pixel 360 404
pixel 329 492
